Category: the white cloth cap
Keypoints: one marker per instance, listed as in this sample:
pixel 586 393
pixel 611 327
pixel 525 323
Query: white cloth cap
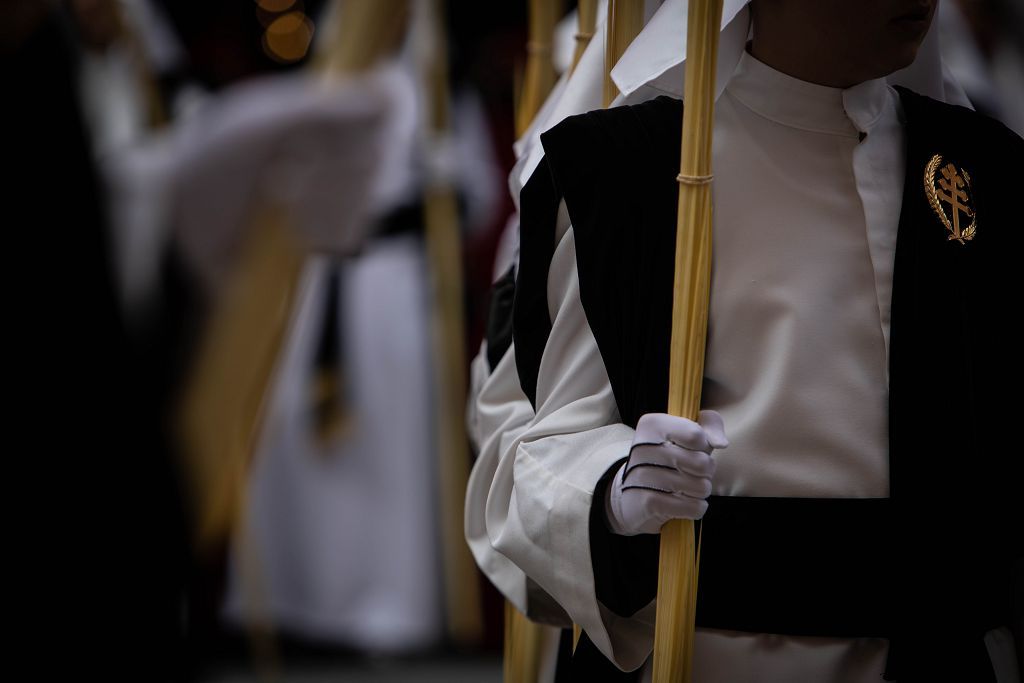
pixel 332 154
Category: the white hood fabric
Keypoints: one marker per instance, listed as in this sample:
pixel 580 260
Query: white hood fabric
pixel 333 155
pixel 657 57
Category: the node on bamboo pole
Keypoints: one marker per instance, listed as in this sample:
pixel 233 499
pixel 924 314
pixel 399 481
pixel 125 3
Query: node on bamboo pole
pixel 586 25
pixel 540 71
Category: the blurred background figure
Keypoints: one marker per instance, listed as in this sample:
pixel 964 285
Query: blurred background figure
pixel 273 169
pixel 134 89
pixel 340 533
pixel 185 206
pixel 333 516
pixel 102 564
pixel 334 530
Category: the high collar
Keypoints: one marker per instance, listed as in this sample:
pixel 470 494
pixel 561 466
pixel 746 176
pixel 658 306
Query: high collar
pixel 807 106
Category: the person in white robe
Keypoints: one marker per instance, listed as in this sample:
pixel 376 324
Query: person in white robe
pixel 126 46
pixel 795 156
pixel 344 530
pixel 333 158
pixel 651 66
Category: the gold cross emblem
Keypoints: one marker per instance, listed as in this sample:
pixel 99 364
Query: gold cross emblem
pixel 953 189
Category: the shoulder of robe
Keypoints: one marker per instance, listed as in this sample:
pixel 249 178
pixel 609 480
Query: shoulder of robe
pixel 954 123
pixel 986 149
pixel 607 158
pixel 616 171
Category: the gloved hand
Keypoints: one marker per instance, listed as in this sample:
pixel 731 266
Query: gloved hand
pixel 667 475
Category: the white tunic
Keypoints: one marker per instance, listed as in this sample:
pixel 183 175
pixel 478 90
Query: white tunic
pixel 805 226
pixel 338 543
pixel 806 219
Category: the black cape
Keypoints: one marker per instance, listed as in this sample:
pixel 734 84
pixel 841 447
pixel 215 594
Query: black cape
pixel 901 567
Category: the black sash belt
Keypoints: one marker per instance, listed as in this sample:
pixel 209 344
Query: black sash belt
pixel 825 567
pixel 796 566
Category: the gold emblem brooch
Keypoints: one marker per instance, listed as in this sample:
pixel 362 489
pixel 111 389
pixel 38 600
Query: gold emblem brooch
pixel 952 190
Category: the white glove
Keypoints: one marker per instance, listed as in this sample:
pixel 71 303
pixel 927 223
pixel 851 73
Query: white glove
pixel 667 475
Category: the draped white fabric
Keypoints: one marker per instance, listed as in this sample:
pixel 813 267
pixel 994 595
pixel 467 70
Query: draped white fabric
pixel 339 542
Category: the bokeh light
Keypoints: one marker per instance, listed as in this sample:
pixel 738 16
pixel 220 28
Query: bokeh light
pixel 275 6
pixel 288 37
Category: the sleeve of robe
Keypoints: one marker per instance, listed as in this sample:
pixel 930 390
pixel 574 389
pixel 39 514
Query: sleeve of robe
pixel 500 413
pixel 497 414
pixel 539 504
pixel 545 506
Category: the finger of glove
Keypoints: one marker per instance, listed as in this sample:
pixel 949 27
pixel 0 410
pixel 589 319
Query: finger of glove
pixel 668 480
pixel 647 511
pixel 655 428
pixel 668 455
pixel 714 428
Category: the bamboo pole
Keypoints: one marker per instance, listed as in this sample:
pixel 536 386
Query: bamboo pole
pixel 625 19
pixel 523 638
pixel 524 644
pixel 224 397
pixel 586 14
pixel 677 584
pixel 540 71
pixel 509 666
pixel 224 403
pixel 444 254
pixel 366 31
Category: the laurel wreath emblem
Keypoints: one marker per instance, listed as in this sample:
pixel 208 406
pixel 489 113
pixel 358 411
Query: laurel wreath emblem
pixel 968 233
